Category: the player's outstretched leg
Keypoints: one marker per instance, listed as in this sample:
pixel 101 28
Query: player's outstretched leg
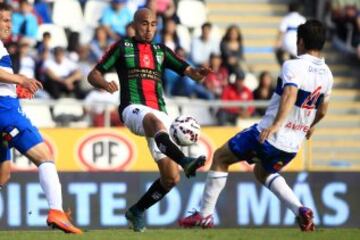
pixel 50 184
pixel 169 177
pixel 215 182
pixel 49 181
pixel 277 185
pixel 155 128
pixel 169 148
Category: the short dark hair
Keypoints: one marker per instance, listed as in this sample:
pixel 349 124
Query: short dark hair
pixel 205 25
pixel 46 34
pixel 294 7
pixel 5 7
pixel 313 33
pixel 58 50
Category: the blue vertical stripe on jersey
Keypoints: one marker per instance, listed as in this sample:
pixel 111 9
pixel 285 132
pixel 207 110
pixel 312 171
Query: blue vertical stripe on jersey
pixel 5 61
pixel 279 86
pixel 279 89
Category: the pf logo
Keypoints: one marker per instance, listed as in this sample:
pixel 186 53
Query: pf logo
pixel 105 152
pixel 22 163
pixel 203 147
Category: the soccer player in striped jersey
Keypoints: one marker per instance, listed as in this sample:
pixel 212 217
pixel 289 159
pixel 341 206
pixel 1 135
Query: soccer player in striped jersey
pixel 139 64
pixel 300 101
pixel 17 131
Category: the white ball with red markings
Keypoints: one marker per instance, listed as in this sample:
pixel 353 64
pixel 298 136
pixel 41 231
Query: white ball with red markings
pixel 185 130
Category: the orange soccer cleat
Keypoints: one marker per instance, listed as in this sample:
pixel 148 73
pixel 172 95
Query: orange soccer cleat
pixel 60 220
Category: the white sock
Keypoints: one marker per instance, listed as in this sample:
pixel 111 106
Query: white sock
pixel 215 182
pixel 277 184
pixel 50 184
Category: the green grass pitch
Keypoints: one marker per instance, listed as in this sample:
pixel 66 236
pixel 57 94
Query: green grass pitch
pixel 190 234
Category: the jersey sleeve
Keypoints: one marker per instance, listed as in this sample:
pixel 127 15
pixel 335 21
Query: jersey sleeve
pixel 110 58
pixel 289 76
pixel 173 62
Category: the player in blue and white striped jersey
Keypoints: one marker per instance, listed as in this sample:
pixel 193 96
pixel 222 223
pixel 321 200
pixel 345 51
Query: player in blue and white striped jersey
pixel 18 132
pixel 298 104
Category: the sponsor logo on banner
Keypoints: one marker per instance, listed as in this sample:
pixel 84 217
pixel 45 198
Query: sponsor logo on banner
pixel 22 163
pixel 101 199
pixel 105 152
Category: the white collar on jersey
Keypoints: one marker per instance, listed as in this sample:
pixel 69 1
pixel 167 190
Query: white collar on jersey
pixel 313 59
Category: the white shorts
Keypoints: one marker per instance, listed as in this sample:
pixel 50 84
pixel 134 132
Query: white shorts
pixel 133 116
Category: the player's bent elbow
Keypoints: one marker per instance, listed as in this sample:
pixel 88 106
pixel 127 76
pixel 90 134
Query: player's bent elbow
pixel 90 77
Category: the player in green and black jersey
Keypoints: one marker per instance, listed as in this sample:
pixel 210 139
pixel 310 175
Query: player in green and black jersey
pixel 139 64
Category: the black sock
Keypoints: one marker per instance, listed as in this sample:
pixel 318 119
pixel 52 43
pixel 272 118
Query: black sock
pixel 155 193
pixel 169 148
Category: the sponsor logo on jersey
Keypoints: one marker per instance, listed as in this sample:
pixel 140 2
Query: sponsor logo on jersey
pixel 128 44
pixel 297 127
pixel 159 58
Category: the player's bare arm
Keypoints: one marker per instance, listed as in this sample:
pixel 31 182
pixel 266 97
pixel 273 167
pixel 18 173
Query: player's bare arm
pixel 198 74
pixel 97 80
pixel 32 85
pixel 320 114
pixel 287 102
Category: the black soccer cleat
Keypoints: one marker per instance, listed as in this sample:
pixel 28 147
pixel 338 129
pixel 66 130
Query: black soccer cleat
pixel 192 164
pixel 136 219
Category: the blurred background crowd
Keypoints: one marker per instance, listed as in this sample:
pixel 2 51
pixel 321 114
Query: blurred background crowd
pixel 58 43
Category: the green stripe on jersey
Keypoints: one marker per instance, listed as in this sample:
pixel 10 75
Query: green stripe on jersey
pixel 134 91
pixel 176 64
pixel 159 91
pixel 110 62
pixel 129 54
pixel 159 57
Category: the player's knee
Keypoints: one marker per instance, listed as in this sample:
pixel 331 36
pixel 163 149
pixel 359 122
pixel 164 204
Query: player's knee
pixel 170 181
pixel 39 154
pixel 218 159
pixel 152 124
pixel 5 178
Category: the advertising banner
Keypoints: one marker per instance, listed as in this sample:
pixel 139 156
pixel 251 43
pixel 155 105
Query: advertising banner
pixel 117 149
pixel 99 200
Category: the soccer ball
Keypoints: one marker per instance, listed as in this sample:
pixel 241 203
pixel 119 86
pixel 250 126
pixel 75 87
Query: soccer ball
pixel 185 130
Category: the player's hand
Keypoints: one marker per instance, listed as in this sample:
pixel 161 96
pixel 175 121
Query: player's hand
pixel 69 85
pixel 200 73
pixel 267 132
pixel 31 85
pixel 309 133
pixel 111 87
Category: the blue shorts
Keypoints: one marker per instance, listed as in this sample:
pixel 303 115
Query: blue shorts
pixel 15 128
pixel 246 146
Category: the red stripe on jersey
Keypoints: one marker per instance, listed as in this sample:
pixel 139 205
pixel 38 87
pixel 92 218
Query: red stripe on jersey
pixel 146 56
pixel 149 90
